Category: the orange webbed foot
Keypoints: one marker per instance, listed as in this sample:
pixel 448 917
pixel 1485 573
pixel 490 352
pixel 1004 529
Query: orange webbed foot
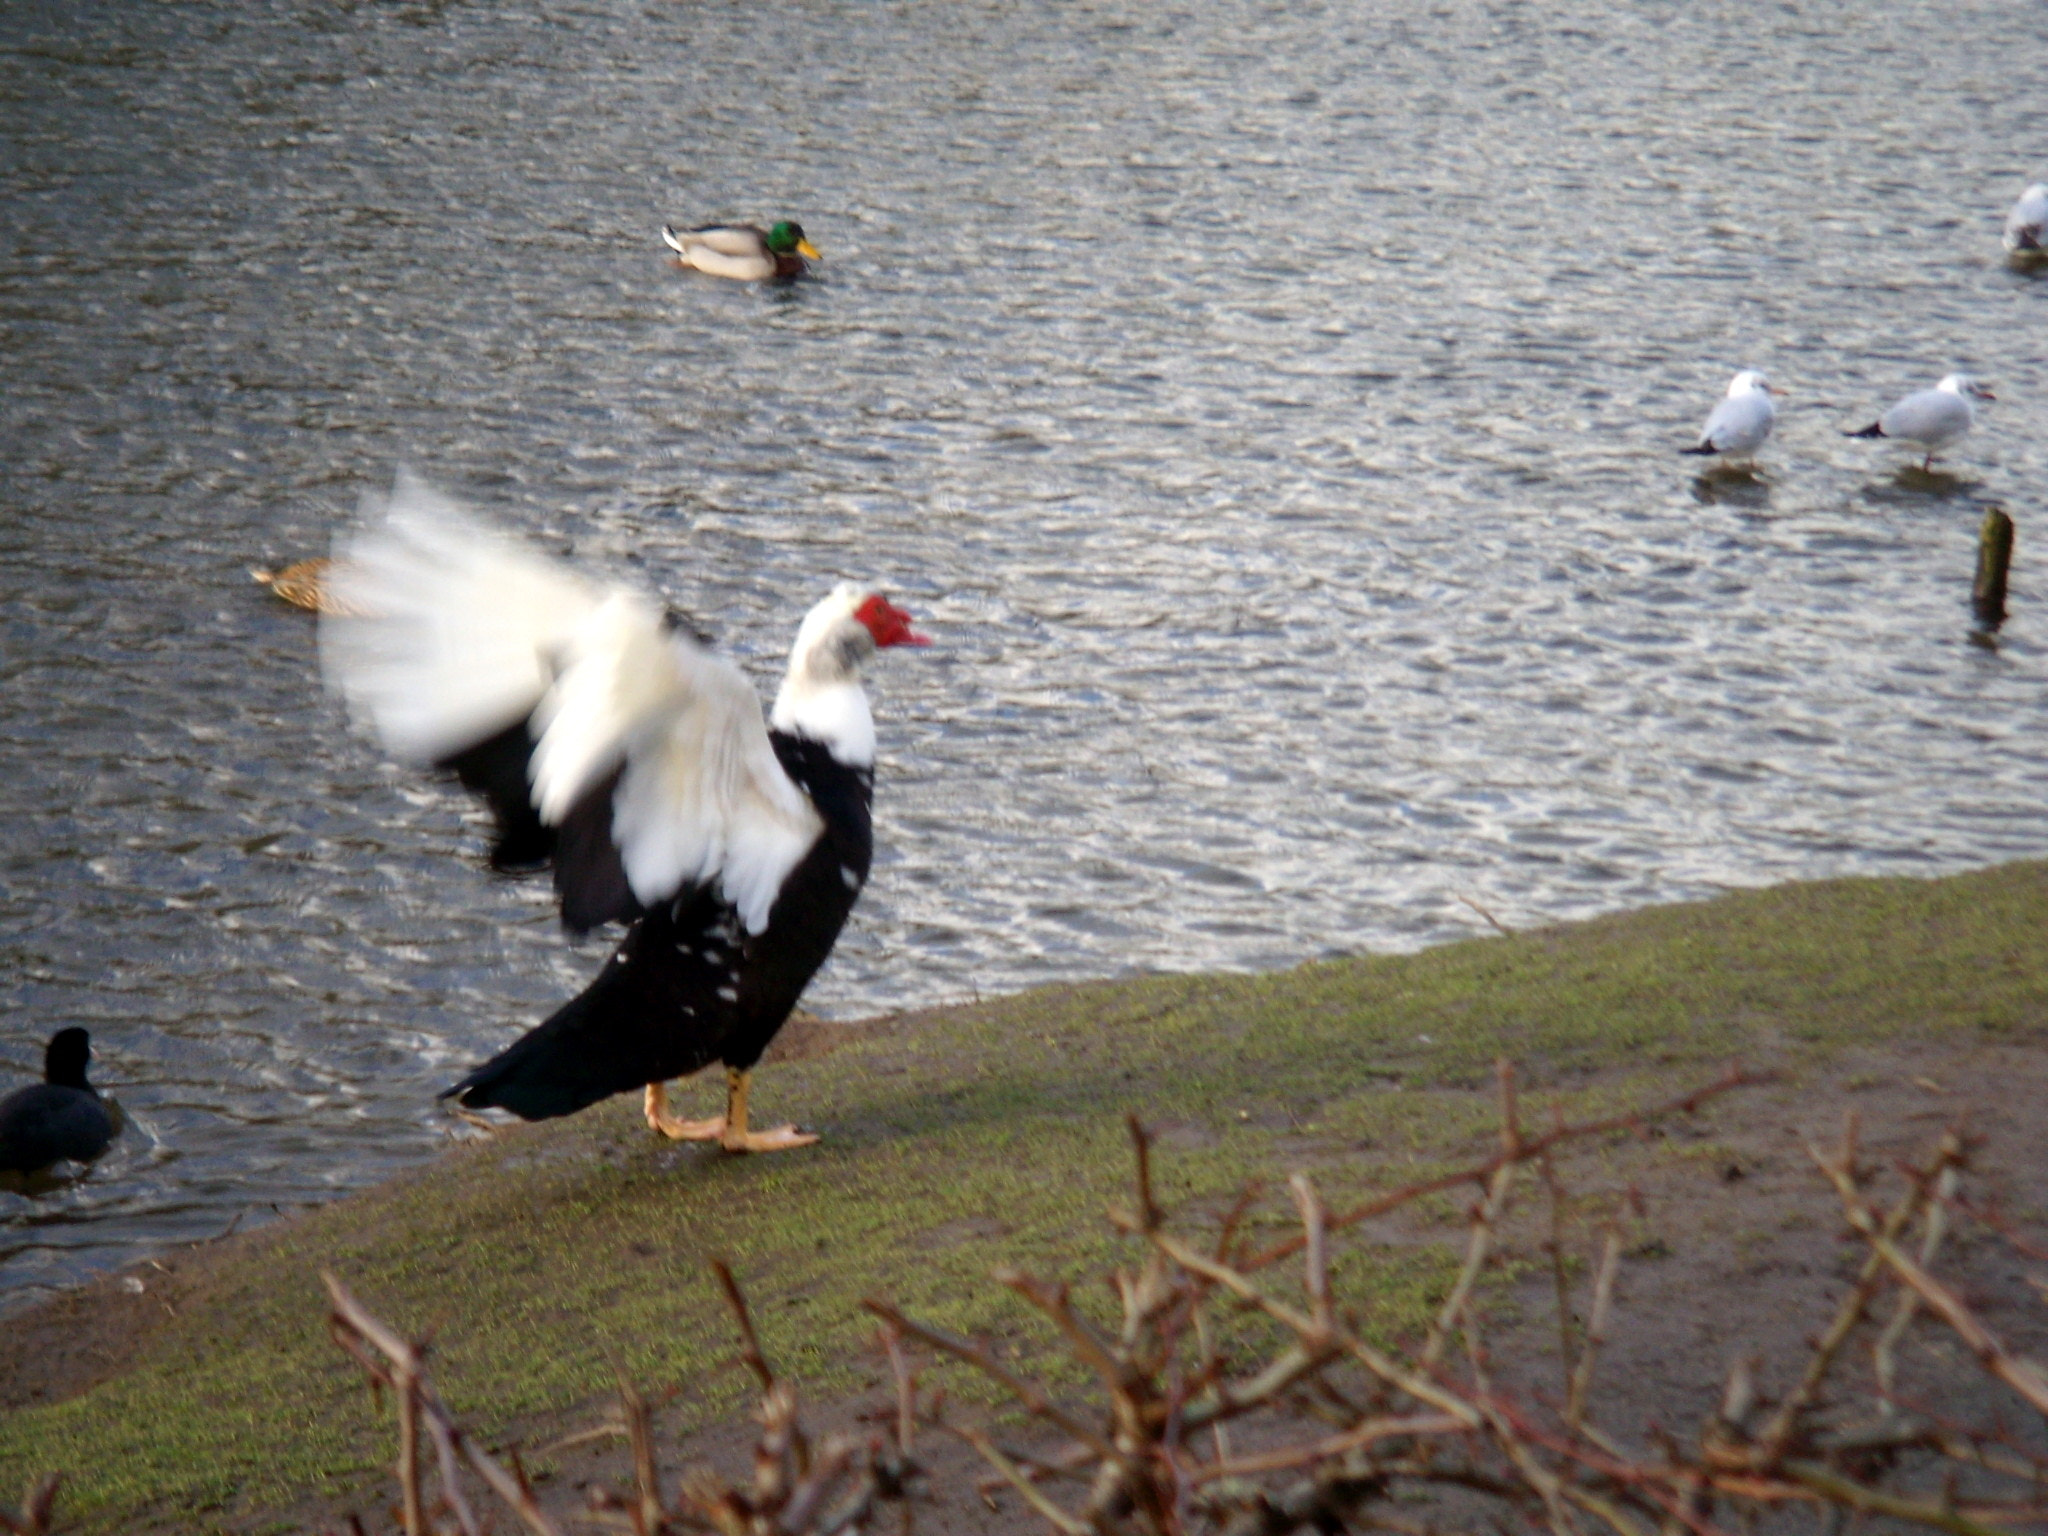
pixel 783 1138
pixel 659 1119
pixel 729 1130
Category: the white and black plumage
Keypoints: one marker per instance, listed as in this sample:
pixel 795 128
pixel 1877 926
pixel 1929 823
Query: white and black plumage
pixel 1743 419
pixel 1932 418
pixel 60 1119
pixel 2026 226
pixel 614 747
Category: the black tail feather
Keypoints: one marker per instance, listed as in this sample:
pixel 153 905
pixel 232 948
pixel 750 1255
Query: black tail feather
pixel 653 1013
pixel 1875 429
pixel 1702 448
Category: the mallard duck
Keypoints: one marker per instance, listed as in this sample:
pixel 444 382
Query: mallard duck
pixel 744 251
pixel 303 584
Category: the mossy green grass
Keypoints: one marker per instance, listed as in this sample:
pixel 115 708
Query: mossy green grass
pixel 546 1258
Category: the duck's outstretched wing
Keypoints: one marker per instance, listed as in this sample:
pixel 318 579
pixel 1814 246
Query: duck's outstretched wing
pixel 455 630
pixel 607 742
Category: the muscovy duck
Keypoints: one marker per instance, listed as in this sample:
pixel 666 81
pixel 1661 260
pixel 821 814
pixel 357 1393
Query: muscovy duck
pixel 614 747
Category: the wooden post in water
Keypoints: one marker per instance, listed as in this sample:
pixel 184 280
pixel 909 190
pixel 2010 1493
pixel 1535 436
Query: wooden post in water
pixel 1994 560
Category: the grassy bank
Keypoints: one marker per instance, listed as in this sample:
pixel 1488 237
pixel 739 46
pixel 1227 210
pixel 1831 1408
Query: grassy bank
pixel 966 1137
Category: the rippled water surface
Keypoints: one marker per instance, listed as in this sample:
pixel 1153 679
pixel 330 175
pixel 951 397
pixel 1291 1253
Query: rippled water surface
pixel 1271 409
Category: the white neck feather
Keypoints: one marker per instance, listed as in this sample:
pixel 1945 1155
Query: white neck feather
pixel 821 696
pixel 835 713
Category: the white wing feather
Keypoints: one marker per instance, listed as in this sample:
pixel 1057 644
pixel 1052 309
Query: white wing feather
pixel 2026 227
pixel 470 632
pixel 1930 416
pixel 615 682
pixel 703 798
pixel 728 240
pixel 723 251
pixel 1740 423
pixel 455 627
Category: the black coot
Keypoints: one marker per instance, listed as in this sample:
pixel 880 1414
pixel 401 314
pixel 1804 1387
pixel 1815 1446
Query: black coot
pixel 60 1117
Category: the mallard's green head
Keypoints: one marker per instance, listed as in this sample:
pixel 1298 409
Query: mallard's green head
pixel 787 238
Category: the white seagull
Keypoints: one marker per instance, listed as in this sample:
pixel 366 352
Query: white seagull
pixel 1742 420
pixel 613 747
pixel 1932 418
pixel 2026 227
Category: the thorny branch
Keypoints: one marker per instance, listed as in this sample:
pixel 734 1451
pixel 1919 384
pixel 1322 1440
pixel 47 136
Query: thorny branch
pixel 1482 1174
pixel 1416 1433
pixel 797 1489
pixel 1225 1407
pixel 392 1362
pixel 37 1507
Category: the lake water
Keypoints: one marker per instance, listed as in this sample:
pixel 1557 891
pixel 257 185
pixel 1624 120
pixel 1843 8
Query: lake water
pixel 1271 410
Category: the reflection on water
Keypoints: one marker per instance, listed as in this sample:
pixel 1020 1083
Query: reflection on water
pixel 1910 485
pixel 1732 485
pixel 1275 409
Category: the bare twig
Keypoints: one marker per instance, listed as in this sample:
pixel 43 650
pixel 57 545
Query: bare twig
pixel 1316 1263
pixel 906 1388
pixel 1485 1220
pixel 1884 1357
pixel 1414 1382
pixel 401 1369
pixel 1840 1490
pixel 1778 1432
pixel 1596 1331
pixel 1141 1147
pixel 38 1505
pixel 1340 1432
pixel 1495 923
pixel 976 1355
pixel 1360 1435
pixel 1016 1477
pixel 2023 1376
pixel 1482 1173
pixel 640 1436
pixel 1420 1429
pixel 1560 1287
pixel 750 1342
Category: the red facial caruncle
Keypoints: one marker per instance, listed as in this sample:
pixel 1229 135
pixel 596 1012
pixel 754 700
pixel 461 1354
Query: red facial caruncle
pixel 889 624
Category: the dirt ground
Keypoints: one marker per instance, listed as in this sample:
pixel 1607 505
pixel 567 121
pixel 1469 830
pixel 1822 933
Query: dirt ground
pixel 1740 1250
